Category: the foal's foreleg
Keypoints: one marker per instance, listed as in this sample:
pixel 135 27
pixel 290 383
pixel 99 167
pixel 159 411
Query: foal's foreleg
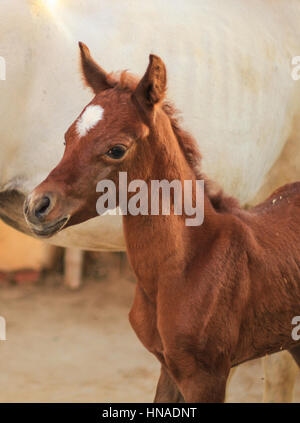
pixel 196 381
pixel 203 387
pixel 167 390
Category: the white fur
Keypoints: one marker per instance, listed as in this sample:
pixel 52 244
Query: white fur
pixel 89 119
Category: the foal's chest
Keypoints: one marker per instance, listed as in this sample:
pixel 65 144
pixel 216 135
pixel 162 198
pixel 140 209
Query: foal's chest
pixel 143 319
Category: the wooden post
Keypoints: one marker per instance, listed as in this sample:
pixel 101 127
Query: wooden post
pixel 73 268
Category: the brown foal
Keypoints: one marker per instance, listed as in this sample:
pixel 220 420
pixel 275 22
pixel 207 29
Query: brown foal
pixel 208 297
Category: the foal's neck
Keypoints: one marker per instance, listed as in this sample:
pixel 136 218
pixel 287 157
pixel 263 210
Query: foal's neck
pixel 160 246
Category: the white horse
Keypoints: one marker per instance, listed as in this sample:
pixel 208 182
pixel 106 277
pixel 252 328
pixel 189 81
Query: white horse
pixel 242 104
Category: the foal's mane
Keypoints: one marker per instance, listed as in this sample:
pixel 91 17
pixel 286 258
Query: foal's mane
pixel 126 81
pixel 189 147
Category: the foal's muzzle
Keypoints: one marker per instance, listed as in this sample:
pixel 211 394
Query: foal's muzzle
pixel 40 214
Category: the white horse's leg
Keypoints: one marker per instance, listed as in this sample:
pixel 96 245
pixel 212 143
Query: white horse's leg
pixel 280 376
pixel 231 373
pixel 73 267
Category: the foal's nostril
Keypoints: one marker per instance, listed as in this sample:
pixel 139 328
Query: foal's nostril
pixel 42 207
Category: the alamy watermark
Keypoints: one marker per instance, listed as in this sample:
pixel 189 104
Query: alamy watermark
pixel 175 198
pixel 2 329
pixel 2 69
pixel 296 330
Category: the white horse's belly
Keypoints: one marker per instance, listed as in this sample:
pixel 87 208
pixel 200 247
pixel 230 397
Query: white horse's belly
pixel 99 234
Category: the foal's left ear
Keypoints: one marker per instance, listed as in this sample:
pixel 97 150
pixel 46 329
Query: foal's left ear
pixel 152 87
pixel 94 76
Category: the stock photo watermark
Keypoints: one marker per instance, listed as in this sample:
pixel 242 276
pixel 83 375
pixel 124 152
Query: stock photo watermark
pixel 296 330
pixel 175 196
pixel 2 69
pixel 2 329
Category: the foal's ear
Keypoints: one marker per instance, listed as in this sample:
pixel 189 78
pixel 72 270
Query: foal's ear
pixel 95 77
pixel 152 87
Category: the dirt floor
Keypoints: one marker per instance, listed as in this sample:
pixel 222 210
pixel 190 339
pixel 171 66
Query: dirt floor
pixel 79 347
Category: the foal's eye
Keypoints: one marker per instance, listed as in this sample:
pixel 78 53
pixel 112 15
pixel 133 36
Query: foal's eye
pixel 116 152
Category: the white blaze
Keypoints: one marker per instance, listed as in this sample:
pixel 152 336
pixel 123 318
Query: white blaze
pixel 89 118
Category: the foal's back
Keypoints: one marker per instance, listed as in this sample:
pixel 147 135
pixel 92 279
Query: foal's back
pixel 279 215
pixel 274 232
pixel 275 225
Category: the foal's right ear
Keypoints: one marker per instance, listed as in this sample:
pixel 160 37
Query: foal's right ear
pixel 95 77
pixel 152 87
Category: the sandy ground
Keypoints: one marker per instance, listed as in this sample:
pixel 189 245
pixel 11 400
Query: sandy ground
pixel 79 347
